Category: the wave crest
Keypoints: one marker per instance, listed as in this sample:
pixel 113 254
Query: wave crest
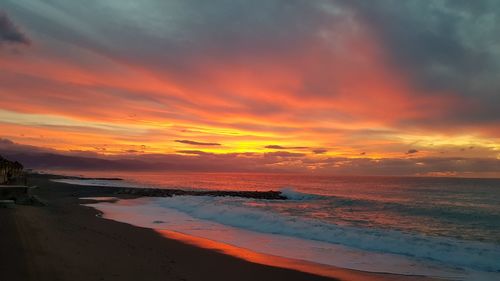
pixel 291 194
pixel 231 212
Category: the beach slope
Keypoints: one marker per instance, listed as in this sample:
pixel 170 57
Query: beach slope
pixel 67 241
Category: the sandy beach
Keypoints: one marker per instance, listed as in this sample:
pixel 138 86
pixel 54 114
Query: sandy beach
pixel 249 140
pixel 67 241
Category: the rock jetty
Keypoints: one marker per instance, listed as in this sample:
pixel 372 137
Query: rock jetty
pixel 157 192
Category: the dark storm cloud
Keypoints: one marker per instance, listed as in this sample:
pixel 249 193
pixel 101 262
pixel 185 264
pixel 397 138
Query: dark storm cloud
pixel 197 142
pixel 447 47
pixel 10 33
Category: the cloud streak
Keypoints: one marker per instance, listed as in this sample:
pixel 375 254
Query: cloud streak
pixel 281 161
pixel 242 79
pixel 274 146
pixel 320 151
pixel 411 151
pixel 191 142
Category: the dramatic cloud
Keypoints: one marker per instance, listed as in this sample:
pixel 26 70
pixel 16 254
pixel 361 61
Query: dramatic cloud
pixel 6 142
pixel 196 142
pixel 447 47
pixel 411 151
pixel 282 161
pixel 10 33
pixel 320 151
pixel 7 145
pixel 284 154
pixel 285 147
pixel 354 83
pixel 194 152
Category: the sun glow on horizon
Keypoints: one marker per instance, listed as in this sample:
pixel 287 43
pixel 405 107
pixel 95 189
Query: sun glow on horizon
pixel 340 86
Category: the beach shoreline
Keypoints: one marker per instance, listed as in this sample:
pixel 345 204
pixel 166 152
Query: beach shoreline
pixel 67 241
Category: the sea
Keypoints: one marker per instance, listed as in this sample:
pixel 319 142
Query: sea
pixel 442 227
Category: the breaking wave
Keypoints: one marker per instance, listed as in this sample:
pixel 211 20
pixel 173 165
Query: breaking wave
pixel 471 254
pixel 291 194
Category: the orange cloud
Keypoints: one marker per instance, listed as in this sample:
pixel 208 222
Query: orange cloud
pixel 337 93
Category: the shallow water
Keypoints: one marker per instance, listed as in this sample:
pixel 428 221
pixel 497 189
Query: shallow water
pixel 440 226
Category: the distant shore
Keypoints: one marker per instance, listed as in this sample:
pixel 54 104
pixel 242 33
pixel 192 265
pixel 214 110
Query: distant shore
pixel 67 241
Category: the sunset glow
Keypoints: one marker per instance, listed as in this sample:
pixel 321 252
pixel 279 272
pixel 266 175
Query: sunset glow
pixel 303 86
pixel 250 140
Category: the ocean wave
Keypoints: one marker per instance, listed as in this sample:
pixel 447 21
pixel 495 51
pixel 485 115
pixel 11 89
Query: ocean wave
pixel 231 212
pixel 292 194
pixel 487 217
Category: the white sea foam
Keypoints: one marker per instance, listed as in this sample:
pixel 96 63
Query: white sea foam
pixel 237 213
pixel 460 253
pixel 292 194
pixel 362 248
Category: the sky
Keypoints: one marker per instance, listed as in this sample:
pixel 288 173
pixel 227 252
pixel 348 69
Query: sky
pixel 334 87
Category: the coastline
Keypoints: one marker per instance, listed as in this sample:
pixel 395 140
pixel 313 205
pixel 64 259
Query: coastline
pixel 67 241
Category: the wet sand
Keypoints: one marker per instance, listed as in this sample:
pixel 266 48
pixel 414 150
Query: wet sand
pixel 67 241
